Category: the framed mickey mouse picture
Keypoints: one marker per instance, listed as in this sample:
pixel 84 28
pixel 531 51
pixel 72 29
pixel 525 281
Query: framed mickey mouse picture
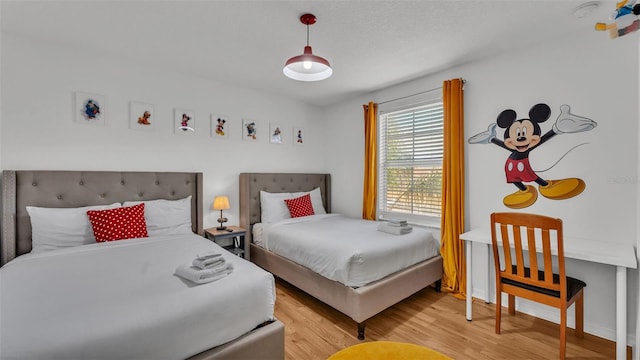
pixel 220 126
pixel 298 136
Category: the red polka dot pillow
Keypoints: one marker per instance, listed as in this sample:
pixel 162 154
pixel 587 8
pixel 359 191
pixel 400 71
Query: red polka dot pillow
pixel 300 206
pixel 118 224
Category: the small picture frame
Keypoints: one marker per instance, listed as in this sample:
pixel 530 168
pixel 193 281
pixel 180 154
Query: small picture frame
pixel 184 122
pixel 276 134
pixel 141 116
pixel 249 130
pixel 89 108
pixel 298 136
pixel 220 126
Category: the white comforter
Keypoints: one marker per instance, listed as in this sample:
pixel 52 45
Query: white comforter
pixel 347 250
pixel 121 300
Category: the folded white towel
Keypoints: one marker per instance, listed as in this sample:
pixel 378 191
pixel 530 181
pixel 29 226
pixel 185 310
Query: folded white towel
pixel 200 276
pixel 208 255
pixel 395 230
pixel 397 221
pixel 209 262
pixel 392 224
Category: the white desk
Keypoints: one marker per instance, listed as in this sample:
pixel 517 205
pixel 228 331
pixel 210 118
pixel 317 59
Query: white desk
pixel 622 256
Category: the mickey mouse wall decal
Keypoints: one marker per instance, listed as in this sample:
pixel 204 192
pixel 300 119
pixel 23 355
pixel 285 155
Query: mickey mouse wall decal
pixel 520 138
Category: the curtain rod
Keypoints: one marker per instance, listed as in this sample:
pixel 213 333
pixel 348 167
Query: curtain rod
pixel 418 93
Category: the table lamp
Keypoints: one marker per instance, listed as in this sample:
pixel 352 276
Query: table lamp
pixel 221 203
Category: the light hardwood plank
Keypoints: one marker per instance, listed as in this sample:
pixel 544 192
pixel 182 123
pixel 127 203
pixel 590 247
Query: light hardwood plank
pixel 314 330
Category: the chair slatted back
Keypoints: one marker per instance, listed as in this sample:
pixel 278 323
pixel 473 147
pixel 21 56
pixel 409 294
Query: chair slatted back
pixel 511 231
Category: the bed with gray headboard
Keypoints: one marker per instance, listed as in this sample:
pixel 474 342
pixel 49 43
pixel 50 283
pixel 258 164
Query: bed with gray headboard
pixel 359 303
pixel 67 189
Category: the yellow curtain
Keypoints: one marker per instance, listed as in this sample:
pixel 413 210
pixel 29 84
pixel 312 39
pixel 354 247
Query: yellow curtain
pixel 452 220
pixel 370 162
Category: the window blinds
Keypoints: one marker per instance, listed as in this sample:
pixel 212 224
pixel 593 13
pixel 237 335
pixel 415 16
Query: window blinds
pixel 411 149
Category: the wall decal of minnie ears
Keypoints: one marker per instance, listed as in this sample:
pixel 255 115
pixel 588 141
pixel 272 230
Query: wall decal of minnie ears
pixel 626 19
pixel 520 138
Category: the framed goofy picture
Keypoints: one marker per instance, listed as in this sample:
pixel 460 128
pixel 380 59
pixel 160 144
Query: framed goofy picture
pixel 184 122
pixel 89 108
pixel 141 116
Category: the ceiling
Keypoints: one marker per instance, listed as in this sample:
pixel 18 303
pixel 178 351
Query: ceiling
pixel 370 44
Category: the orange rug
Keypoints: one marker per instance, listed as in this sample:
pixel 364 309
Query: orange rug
pixel 387 350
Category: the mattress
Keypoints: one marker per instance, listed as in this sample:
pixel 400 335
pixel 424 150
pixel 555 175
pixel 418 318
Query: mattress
pixel 348 250
pixel 121 300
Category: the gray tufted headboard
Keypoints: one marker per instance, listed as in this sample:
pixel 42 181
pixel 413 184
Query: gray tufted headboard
pixel 252 183
pixel 66 189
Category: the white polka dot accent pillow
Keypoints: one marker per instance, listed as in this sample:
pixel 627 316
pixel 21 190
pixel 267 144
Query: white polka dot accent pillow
pixel 118 224
pixel 300 206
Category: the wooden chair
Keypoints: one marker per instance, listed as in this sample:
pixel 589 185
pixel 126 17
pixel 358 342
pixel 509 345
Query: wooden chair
pixel 511 235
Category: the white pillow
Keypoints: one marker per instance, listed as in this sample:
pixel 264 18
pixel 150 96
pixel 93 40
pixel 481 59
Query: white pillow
pixel 316 200
pixel 273 208
pixel 166 217
pixel 56 228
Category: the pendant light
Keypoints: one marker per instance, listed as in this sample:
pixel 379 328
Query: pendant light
pixel 307 67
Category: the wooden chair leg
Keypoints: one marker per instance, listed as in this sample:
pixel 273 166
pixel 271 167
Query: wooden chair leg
pixel 563 332
pixel 579 304
pixel 498 310
pixel 512 304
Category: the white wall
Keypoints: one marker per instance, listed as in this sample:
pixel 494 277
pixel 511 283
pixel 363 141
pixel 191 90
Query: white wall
pixel 38 131
pixel 598 78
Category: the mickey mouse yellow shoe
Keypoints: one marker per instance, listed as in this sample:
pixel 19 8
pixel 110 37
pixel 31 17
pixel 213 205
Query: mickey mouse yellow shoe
pixel 562 189
pixel 521 198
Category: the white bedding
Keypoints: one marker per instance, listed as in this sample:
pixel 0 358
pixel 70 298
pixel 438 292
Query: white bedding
pixel 350 251
pixel 121 300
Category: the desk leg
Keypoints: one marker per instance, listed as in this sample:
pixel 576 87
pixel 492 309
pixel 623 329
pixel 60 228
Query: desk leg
pixel 621 312
pixel 469 286
pixel 487 294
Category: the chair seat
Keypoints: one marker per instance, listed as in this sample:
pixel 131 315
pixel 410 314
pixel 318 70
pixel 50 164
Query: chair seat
pixel 573 285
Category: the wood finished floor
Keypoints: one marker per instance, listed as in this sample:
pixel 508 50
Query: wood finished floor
pixel 314 330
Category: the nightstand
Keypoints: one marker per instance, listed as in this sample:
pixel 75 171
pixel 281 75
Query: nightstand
pixel 233 233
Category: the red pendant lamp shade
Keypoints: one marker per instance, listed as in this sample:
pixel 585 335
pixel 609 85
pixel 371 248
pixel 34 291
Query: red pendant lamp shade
pixel 307 67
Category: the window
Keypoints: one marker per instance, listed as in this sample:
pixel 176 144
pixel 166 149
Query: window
pixel 410 155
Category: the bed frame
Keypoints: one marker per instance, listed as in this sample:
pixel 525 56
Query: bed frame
pixel 84 188
pixel 358 303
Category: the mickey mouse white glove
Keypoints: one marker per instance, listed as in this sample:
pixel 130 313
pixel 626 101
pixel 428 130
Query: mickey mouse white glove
pixel 569 123
pixel 485 136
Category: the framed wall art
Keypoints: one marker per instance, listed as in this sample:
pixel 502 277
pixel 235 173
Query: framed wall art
pixel 276 134
pixel 298 136
pixel 220 127
pixel 141 116
pixel 184 122
pixel 89 108
pixel 249 130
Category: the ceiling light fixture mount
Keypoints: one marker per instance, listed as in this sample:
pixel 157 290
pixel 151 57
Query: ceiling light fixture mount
pixel 307 67
pixel 585 9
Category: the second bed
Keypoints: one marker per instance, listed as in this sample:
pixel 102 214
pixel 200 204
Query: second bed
pixel 354 268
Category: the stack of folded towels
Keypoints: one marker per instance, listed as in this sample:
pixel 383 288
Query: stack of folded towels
pixel 205 268
pixel 395 227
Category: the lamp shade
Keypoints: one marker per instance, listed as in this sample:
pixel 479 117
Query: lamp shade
pixel 307 67
pixel 221 203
